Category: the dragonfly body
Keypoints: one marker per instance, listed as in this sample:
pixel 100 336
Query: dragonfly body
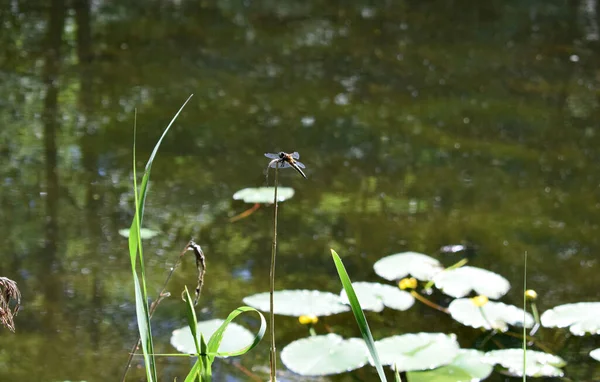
pixel 284 160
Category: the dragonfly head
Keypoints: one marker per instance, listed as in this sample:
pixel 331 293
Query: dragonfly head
pixel 281 155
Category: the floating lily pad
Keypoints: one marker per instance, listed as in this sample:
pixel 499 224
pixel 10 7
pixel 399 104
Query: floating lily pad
pixel 460 282
pixel 581 317
pixel 324 355
pixel 400 265
pixel 264 195
pixel 374 296
pixel 235 337
pixel 468 366
pixel 417 351
pixel 145 233
pixel 299 303
pixel 595 354
pixel 496 315
pixel 537 364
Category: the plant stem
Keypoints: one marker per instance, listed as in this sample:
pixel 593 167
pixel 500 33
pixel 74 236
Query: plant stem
pixel 163 293
pixel 272 281
pixel 428 302
pixel 245 214
pixel 524 320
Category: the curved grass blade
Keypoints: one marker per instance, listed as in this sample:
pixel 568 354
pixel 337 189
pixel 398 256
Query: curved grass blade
pixel 215 340
pixel 194 374
pixel 201 368
pixel 141 301
pixel 135 245
pixel 359 315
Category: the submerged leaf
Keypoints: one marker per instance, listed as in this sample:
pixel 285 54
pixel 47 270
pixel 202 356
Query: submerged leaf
pixel 418 351
pixel 235 337
pixel 400 265
pixel 263 195
pixel 374 296
pixel 581 317
pixel 324 355
pixel 299 303
pixel 537 364
pixel 468 366
pixel 460 282
pixel 492 315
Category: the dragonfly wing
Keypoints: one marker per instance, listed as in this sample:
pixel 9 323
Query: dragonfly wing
pixel 295 155
pixel 272 156
pixel 281 165
pixel 300 164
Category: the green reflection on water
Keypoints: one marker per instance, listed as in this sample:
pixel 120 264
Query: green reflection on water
pixel 484 116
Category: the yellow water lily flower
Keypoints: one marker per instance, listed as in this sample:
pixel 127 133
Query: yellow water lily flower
pixel 480 300
pixel 308 319
pixel 530 294
pixel 407 283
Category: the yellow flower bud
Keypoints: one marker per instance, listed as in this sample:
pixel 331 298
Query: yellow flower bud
pixel 407 283
pixel 479 300
pixel 308 319
pixel 530 294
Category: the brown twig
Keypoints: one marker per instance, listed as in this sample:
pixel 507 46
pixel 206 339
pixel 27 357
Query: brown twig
pixel 200 266
pixel 245 214
pixel 428 302
pixel 273 352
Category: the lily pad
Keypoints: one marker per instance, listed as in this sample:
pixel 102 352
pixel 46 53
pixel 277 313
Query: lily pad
pixel 145 233
pixel 324 355
pixel 417 351
pixel 595 354
pixel 581 317
pixel 299 303
pixel 235 337
pixel 374 296
pixel 493 315
pixel 264 195
pixel 537 364
pixel 468 366
pixel 460 282
pixel 400 265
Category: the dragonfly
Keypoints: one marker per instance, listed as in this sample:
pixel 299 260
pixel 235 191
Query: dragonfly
pixel 286 160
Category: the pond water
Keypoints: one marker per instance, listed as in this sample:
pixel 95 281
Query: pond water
pixel 421 124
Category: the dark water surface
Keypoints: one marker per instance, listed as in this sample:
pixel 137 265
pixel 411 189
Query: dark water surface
pixel 421 124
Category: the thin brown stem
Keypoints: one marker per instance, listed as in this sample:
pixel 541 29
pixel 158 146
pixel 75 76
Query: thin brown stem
pixel 245 214
pixel 429 303
pixel 272 281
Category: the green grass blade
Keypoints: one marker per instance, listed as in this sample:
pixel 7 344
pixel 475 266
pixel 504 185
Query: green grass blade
pixel 215 340
pixel 202 366
pixel 206 371
pixel 144 331
pixel 396 374
pixel 194 374
pixel 135 247
pixel 359 315
pixel 151 160
pixel 192 320
pixel 141 301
